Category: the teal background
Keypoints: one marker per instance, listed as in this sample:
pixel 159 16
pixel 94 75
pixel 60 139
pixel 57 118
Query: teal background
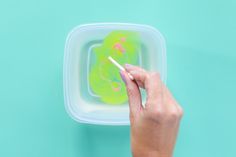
pixel 201 53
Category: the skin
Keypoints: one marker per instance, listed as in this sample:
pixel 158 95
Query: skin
pixel 154 128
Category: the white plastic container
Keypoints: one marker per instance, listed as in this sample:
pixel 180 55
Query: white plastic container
pixel 80 102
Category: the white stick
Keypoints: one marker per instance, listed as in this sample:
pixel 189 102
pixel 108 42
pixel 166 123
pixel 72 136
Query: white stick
pixel 120 67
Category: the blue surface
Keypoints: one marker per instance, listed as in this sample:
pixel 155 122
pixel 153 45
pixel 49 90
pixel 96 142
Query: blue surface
pixel 201 53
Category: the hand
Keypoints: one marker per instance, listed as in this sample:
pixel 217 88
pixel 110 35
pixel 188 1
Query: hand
pixel 154 128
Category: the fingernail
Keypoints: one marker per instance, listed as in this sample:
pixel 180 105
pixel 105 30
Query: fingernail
pixel 123 77
pixel 128 66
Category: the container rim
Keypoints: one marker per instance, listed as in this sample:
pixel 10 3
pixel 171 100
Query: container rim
pixel 68 108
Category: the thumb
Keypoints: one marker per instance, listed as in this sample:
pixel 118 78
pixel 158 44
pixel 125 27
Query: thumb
pixel 135 99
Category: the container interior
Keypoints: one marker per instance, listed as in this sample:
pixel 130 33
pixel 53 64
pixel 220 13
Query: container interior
pixel 82 103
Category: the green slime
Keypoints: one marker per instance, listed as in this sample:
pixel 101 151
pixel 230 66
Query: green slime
pixel 104 77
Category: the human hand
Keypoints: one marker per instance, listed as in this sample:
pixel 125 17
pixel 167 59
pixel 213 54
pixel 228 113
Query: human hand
pixel 154 128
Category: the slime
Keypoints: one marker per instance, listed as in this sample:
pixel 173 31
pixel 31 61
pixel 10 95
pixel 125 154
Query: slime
pixel 104 77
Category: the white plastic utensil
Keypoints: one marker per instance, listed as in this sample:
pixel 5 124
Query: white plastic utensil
pixel 120 67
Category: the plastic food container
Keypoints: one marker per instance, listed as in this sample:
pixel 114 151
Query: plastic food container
pixel 80 102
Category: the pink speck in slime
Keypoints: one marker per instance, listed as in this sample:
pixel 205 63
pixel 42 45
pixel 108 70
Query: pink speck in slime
pixel 119 47
pixel 116 86
pixel 122 39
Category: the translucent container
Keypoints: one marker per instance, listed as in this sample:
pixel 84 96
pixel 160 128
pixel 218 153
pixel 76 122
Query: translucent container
pixel 80 101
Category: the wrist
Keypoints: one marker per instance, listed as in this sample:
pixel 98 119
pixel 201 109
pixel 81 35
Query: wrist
pixel 148 154
pixel 143 151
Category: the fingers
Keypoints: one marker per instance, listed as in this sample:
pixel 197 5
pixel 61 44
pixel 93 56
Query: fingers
pixel 150 81
pixel 138 72
pixel 159 99
pixel 135 100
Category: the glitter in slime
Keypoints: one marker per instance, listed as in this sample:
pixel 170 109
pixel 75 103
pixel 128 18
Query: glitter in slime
pixel 104 77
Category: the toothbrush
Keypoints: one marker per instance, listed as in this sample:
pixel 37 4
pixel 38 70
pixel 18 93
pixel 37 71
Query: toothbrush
pixel 120 67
